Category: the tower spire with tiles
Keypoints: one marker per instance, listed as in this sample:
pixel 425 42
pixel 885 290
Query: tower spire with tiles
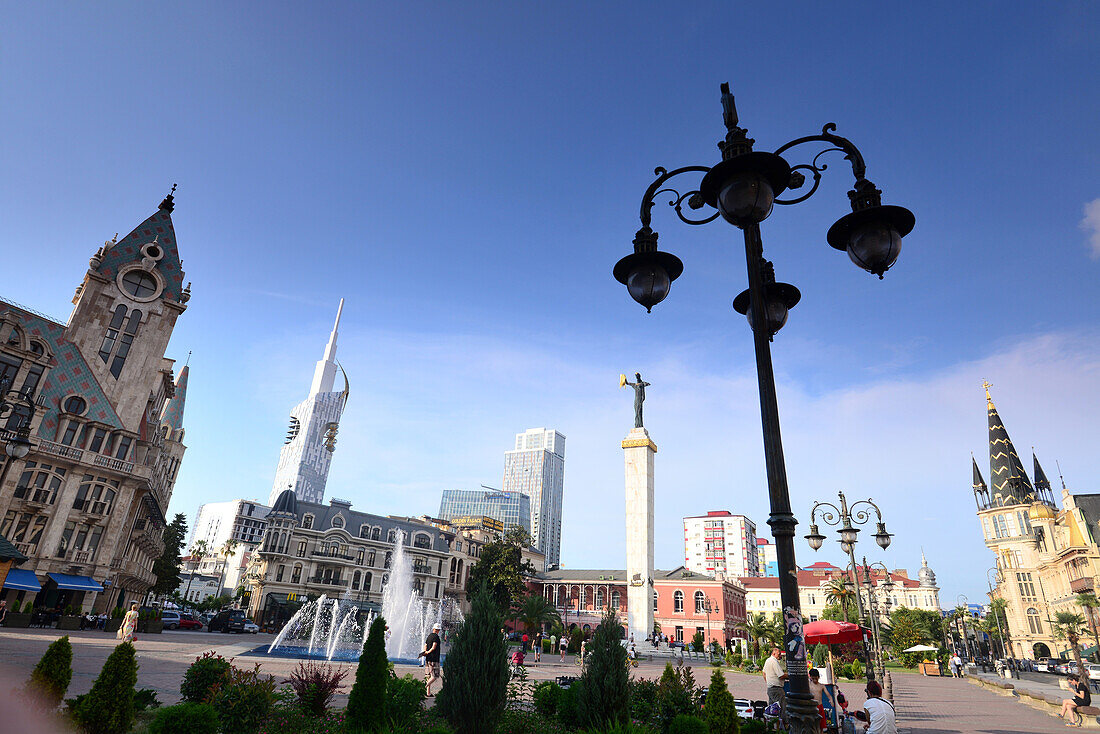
pixel 1009 484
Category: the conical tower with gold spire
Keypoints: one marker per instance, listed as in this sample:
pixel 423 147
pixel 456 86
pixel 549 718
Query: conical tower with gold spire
pixel 1009 482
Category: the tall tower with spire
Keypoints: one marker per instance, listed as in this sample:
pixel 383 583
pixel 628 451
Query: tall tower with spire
pixel 311 438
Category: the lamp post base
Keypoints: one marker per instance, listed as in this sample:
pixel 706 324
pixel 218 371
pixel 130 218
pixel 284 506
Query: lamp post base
pixel 803 715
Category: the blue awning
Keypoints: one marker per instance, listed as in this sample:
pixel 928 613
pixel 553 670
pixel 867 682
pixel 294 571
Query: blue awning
pixel 22 580
pixel 75 583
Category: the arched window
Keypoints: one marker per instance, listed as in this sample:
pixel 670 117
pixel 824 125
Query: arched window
pixel 109 339
pixel 422 540
pixel 1033 622
pixel 376 533
pixel 654 601
pixel 700 602
pixel 307 522
pixel 42 485
pixel 678 602
pixel 599 598
pixel 338 521
pixel 418 586
pixel 389 557
pixel 367 581
pixel 355 580
pixel 296 575
pixel 96 495
pixel 580 598
pixel 370 558
pixel 124 342
pixel 391 535
pixel 616 599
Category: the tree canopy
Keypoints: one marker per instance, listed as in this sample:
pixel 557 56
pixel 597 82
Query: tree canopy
pixel 167 567
pixel 503 568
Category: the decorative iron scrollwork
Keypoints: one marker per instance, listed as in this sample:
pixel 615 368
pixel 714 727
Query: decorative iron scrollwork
pixel 814 168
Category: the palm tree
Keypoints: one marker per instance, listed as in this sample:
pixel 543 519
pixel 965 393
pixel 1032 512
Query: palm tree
pixel 1089 602
pixel 201 549
pixel 226 551
pixel 837 593
pixel 998 607
pixel 1069 626
pixel 535 611
pixel 759 627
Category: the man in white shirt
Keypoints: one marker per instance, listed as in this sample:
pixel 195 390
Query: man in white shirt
pixel 879 712
pixel 774 675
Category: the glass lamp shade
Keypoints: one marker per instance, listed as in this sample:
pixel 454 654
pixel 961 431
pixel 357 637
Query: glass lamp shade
pixel 872 236
pixel 648 284
pixel 875 247
pixel 779 299
pixel 18 448
pixel 848 534
pixel 815 538
pixel 846 547
pixel 648 276
pixel 747 198
pixel 882 537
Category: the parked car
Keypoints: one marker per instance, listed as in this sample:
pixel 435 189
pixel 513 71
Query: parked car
pixel 188 622
pixel 744 707
pixel 1093 671
pixel 227 620
pixel 251 627
pixel 171 619
pixel 1069 668
pixel 1045 665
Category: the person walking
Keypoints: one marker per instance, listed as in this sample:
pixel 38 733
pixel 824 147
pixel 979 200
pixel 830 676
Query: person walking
pixel 879 711
pixel 553 644
pixel 774 675
pixel 538 647
pixel 956 666
pixel 129 624
pixel 430 654
pixel 563 645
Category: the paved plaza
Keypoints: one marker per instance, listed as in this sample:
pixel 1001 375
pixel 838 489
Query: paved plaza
pixel 925 705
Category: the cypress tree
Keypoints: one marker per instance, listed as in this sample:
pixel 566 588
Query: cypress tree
pixel 604 700
pixel 367 700
pixel 476 683
pixel 720 711
pixel 50 678
pixel 109 707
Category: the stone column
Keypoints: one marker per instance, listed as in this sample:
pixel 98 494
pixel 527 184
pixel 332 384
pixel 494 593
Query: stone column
pixel 638 452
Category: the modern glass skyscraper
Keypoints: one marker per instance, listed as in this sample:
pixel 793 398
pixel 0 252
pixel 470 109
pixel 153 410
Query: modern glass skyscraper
pixel 510 508
pixel 536 467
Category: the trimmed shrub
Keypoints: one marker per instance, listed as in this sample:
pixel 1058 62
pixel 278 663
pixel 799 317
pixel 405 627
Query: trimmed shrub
pixel 605 698
pixel 697 642
pixel 643 700
pixel 14 608
pixel 820 656
pixel 545 698
pixel 720 712
pixel 476 686
pixel 207 672
pixel 185 718
pixel 568 712
pixel 367 702
pixel 109 707
pixel 857 670
pixel 50 678
pixel 315 684
pixel 687 724
pixel 243 700
pixel 406 699
pixel 675 695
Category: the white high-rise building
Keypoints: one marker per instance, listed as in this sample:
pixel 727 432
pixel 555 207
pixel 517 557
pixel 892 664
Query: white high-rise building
pixel 536 468
pixel 307 453
pixel 239 520
pixel 721 542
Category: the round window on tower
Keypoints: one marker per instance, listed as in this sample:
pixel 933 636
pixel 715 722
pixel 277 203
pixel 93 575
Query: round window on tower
pixel 139 284
pixel 75 405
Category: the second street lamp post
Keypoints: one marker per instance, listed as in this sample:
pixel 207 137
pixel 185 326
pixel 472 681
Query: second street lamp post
pixel 966 634
pixel 996 571
pixel 872 605
pixel 847 517
pixel 742 189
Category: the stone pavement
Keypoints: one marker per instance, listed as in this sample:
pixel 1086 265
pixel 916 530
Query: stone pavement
pixel 925 705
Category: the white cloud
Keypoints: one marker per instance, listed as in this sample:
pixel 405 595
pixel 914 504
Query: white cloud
pixel 1091 225
pixel 431 411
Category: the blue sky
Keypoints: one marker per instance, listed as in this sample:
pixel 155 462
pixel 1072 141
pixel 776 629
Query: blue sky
pixel 466 176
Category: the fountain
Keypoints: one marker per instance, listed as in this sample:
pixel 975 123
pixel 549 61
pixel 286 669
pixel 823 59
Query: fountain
pixel 329 628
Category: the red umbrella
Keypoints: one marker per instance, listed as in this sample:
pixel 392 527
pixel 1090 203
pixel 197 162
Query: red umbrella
pixel 829 632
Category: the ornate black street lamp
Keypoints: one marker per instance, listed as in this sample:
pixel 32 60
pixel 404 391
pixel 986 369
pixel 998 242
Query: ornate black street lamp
pixel 742 189
pixel 996 581
pixel 17 443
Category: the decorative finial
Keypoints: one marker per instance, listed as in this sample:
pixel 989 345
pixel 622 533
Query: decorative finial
pixel 737 140
pixel 1060 477
pixel 185 295
pixel 986 384
pixel 169 204
pixel 188 358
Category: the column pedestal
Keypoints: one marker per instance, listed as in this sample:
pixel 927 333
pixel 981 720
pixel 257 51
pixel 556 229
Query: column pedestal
pixel 638 453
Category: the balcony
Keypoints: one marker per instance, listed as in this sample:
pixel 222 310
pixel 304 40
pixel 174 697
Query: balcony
pixel 336 557
pixel 68 452
pixel 1080 585
pixel 326 581
pixel 89 507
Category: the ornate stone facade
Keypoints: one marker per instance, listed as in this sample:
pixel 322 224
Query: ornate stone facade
pixel 87 504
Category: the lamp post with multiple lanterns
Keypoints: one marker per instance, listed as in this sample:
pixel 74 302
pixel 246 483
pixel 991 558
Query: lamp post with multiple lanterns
pixel 742 189
pixel 847 517
pixel 17 443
